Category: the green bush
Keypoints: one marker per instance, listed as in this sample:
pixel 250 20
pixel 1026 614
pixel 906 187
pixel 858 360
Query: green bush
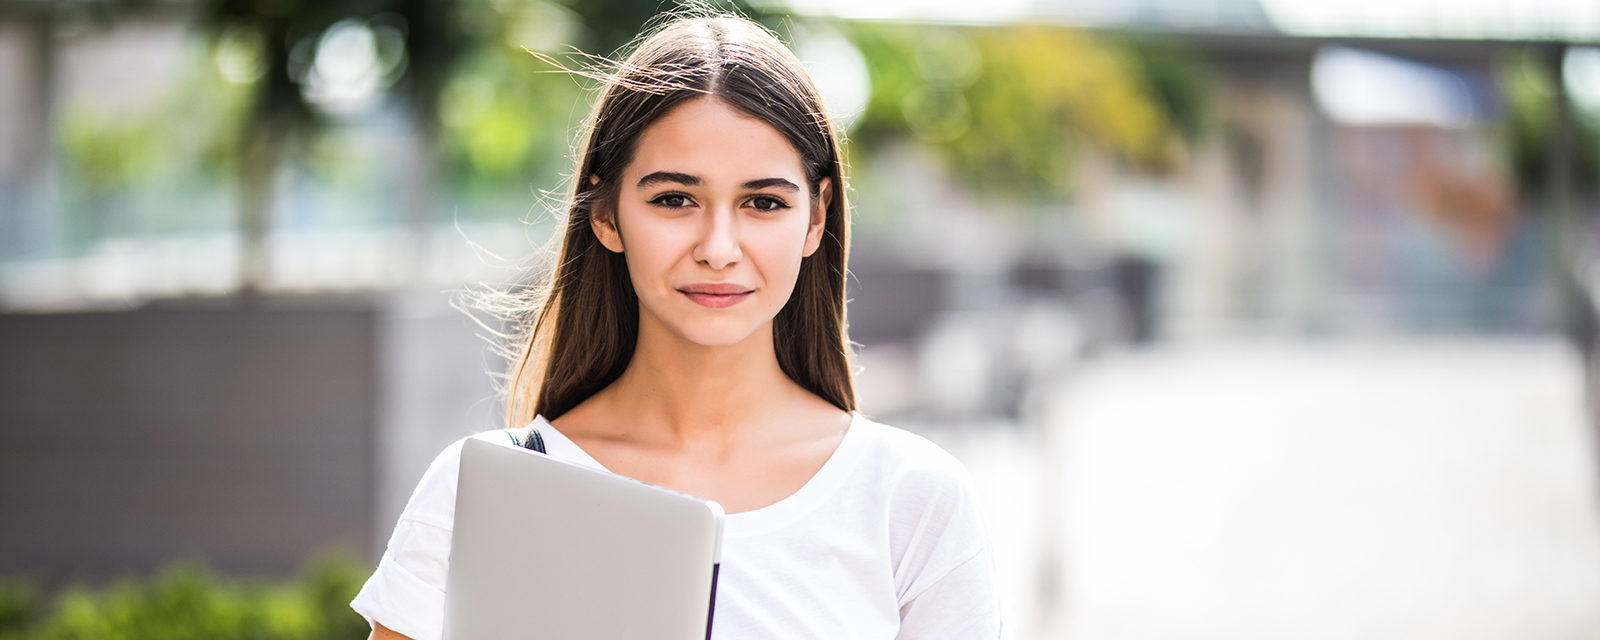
pixel 187 602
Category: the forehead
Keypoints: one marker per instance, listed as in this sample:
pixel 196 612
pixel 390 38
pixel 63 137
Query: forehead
pixel 707 138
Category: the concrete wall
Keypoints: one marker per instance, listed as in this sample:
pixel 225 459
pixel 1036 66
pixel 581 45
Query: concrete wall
pixel 131 438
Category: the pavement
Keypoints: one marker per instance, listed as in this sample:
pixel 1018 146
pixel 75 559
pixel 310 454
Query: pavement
pixel 1399 489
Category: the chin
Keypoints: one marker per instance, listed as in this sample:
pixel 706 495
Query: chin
pixel 716 334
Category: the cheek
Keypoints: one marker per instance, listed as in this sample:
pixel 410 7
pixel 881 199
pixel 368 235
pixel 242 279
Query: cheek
pixel 784 249
pixel 648 266
pixel 650 244
pixel 647 253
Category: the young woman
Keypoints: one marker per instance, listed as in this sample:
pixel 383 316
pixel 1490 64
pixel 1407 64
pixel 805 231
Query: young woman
pixel 693 337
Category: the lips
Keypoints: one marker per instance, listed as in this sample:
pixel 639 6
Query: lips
pixel 716 295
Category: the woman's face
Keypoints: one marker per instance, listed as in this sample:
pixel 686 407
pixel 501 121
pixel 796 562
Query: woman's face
pixel 713 218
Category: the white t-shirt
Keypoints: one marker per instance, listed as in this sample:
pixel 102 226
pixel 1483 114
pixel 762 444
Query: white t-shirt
pixel 884 541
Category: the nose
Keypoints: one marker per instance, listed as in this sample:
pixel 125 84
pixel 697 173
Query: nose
pixel 718 245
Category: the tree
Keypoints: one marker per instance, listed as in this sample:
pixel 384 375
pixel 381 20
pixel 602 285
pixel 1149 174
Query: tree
pixel 286 32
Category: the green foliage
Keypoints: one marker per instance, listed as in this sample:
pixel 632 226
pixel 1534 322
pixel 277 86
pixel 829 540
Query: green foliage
pixel 505 118
pixel 110 153
pixel 187 602
pixel 1009 106
pixel 120 161
pixel 1528 122
pixel 21 605
pixel 1180 86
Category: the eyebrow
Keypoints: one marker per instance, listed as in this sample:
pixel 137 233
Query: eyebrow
pixel 668 176
pixel 694 181
pixel 766 183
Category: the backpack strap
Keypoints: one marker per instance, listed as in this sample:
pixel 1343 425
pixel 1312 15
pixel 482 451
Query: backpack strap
pixel 535 441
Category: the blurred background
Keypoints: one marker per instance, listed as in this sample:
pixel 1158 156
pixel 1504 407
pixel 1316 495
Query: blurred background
pixel 1251 318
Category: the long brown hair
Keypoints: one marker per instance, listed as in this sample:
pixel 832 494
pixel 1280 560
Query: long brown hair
pixel 587 319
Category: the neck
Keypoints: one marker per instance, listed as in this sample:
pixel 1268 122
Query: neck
pixel 675 391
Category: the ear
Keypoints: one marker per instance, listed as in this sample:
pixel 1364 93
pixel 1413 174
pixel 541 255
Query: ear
pixel 819 216
pixel 603 221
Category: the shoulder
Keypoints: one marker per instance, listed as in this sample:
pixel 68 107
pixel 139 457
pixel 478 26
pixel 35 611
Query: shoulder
pixel 919 480
pixel 909 459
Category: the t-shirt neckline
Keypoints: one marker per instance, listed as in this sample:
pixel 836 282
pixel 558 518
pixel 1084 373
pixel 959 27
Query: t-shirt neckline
pixel 816 491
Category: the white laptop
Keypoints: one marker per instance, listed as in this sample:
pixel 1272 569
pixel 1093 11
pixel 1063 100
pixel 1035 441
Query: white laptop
pixel 544 548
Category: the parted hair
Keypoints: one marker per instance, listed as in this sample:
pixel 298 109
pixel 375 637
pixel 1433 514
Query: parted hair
pixel 578 331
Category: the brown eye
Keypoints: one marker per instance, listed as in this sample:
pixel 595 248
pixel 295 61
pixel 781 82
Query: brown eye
pixel 671 201
pixel 768 203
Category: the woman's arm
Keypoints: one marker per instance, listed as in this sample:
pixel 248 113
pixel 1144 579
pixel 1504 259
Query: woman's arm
pixel 380 632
